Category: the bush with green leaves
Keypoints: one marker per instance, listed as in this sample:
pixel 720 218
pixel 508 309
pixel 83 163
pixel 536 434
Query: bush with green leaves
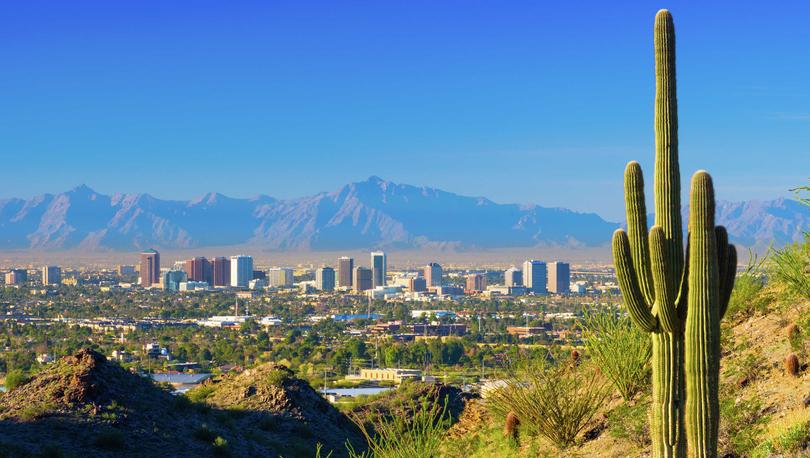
pixel 553 401
pixel 15 379
pixel 789 267
pixel 414 428
pixel 746 297
pixel 792 440
pixel 619 349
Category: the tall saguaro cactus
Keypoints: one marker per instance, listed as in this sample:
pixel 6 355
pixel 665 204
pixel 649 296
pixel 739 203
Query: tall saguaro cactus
pixel 662 296
pixel 712 263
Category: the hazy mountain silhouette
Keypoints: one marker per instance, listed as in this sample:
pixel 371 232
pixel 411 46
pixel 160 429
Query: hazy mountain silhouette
pixel 371 213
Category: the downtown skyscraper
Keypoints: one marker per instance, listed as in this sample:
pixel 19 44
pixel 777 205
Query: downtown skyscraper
pixel 379 265
pixel 345 271
pixel 241 271
pixel 535 276
pixel 150 268
pixel 559 277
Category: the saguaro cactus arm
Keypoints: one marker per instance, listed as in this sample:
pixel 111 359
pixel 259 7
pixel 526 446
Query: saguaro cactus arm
pixel 636 211
pixel 628 283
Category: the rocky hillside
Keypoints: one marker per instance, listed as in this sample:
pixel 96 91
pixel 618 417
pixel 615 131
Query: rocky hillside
pixel 84 405
pixel 371 213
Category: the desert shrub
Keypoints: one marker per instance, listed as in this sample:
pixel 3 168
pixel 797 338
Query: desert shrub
pixel 277 377
pixel 630 421
pixel 619 348
pixel 15 379
pixel 402 435
pixel 200 393
pixel 555 402
pixel 204 434
pixel 789 268
pixel 746 297
pixel 35 411
pixel 741 426
pixel 789 440
pixel 110 440
pixel 220 447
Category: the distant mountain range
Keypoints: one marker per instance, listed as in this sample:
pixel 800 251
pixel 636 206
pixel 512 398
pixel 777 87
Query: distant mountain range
pixel 370 214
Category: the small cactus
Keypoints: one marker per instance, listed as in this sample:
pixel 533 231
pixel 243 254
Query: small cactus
pixel 792 365
pixel 510 430
pixel 792 331
pixel 575 356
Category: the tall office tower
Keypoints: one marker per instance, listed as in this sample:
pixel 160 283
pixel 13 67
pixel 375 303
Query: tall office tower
pixel 535 276
pixel 513 277
pixel 559 277
pixel 279 277
pixel 241 271
pixel 433 274
pixel 173 278
pixel 51 275
pixel 362 279
pixel 476 282
pixel 378 268
pixel 220 271
pixel 16 277
pixel 325 279
pixel 345 271
pixel 150 268
pixel 199 269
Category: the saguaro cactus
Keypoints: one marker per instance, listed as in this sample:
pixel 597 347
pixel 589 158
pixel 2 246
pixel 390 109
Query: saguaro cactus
pixel 712 263
pixel 654 275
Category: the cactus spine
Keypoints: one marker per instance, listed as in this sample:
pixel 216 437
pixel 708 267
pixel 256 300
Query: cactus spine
pixel 655 281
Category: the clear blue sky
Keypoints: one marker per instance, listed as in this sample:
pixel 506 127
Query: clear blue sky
pixel 524 102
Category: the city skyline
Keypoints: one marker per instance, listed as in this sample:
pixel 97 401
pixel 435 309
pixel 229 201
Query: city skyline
pixel 449 92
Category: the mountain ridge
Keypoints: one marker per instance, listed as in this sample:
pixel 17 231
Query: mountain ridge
pixel 374 213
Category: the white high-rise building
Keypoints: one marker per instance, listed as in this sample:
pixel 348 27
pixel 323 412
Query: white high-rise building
pixel 559 277
pixel 280 277
pixel 241 270
pixel 379 265
pixel 535 276
pixel 513 277
pixel 325 279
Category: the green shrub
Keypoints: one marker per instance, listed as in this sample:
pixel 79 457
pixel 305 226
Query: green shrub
pixel 15 379
pixel 220 447
pixel 199 394
pixel 620 349
pixel 555 402
pixel 110 440
pixel 789 268
pixel 630 421
pixel 794 438
pixel 415 428
pixel 746 297
pixel 277 377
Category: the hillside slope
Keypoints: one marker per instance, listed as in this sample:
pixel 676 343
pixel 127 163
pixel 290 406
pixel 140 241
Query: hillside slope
pixel 83 405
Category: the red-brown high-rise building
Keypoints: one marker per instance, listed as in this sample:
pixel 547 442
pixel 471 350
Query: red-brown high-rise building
pixel 221 271
pixel 199 269
pixel 476 282
pixel 150 268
